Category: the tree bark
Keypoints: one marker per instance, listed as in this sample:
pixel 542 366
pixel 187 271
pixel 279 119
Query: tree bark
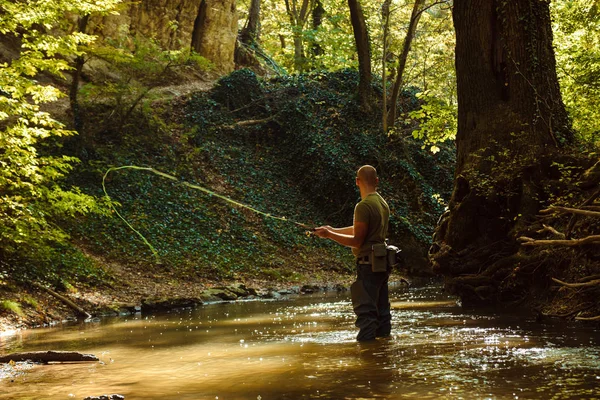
pixel 385 16
pixel 363 50
pixel 77 69
pixel 317 21
pixel 410 34
pixel 251 31
pixel 511 119
pixel 215 33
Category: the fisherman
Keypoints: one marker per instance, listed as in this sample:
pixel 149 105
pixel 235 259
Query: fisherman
pixel 370 297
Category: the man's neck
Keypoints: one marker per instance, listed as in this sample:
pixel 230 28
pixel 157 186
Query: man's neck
pixel 364 192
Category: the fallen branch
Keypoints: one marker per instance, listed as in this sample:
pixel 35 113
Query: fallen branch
pixel 48 356
pixel 527 241
pixel 596 318
pixel 250 122
pixel 80 311
pixel 568 210
pixel 577 285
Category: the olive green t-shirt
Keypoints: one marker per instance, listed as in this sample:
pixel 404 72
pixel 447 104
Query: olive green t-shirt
pixel 375 212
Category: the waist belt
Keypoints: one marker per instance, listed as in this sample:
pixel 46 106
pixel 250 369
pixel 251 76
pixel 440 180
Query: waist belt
pixel 364 260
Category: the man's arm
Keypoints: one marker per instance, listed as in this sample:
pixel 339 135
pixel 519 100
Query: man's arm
pixel 348 230
pixel 350 236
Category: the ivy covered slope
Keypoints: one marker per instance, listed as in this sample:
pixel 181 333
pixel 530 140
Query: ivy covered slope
pixel 288 147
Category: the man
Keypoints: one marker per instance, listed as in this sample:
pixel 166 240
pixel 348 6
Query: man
pixel 369 293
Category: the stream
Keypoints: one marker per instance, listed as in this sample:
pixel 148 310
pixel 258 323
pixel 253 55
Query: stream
pixel 303 347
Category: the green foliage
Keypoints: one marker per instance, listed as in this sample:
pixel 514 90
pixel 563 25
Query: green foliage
pixel 436 121
pixel 577 44
pixel 430 63
pixel 132 70
pixel 334 37
pixel 300 165
pixel 237 89
pixel 32 302
pixel 32 197
pixel 11 306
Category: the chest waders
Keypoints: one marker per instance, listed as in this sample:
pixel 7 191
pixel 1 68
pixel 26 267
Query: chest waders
pixel 371 303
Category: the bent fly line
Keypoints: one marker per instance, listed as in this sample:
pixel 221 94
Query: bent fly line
pixel 190 185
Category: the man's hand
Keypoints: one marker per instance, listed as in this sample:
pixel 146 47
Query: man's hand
pixel 322 231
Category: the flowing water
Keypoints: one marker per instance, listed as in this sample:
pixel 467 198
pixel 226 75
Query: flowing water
pixel 304 348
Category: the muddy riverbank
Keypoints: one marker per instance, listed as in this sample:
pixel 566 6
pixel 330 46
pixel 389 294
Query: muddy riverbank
pixel 139 290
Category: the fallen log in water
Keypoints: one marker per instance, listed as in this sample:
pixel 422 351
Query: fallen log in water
pixel 48 356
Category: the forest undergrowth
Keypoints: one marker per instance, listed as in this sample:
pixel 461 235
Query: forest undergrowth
pixel 287 146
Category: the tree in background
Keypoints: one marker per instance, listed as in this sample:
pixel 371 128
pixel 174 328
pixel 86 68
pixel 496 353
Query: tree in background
pixel 390 115
pixel 251 31
pixel 363 50
pixel 317 21
pixel 511 122
pixel 298 13
pixel 577 43
pixel 30 179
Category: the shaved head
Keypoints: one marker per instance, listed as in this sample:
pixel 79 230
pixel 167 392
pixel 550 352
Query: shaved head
pixel 368 175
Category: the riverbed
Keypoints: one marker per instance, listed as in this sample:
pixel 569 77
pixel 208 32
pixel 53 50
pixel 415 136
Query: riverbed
pixel 303 347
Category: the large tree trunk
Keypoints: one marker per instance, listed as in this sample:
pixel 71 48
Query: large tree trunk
pixel 215 33
pixel 510 120
pixel 363 49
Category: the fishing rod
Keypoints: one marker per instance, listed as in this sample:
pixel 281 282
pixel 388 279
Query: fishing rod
pixel 193 186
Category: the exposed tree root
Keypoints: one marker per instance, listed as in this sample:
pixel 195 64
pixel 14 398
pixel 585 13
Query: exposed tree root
pixel 518 271
pixel 551 230
pixel 596 318
pixel 583 205
pixel 577 310
pixel 527 241
pixel 578 285
pixel 568 210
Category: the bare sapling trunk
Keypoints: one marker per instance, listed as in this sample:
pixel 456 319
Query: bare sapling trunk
pixel 415 16
pixel 298 15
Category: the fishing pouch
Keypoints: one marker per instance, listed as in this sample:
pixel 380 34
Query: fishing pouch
pixel 379 258
pixel 393 256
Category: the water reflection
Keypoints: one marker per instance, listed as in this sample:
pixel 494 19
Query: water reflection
pixel 305 348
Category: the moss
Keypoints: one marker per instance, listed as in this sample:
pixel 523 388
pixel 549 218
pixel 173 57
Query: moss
pixel 29 300
pixel 11 306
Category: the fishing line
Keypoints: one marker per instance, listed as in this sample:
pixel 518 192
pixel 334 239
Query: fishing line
pixel 190 185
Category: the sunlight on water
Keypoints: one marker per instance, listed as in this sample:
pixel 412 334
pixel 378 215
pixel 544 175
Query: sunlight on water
pixel 305 348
